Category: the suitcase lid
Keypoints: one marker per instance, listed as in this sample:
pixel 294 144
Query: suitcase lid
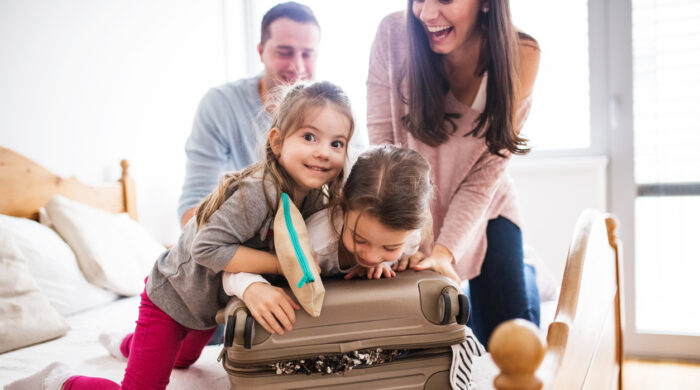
pixel 412 310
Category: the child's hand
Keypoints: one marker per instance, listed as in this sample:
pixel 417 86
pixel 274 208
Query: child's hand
pixel 440 261
pixel 375 272
pixel 271 307
pixel 407 262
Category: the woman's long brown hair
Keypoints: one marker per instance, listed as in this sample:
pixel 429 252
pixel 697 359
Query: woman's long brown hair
pixel 428 119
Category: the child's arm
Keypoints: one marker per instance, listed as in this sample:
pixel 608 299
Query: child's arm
pixel 253 261
pixel 271 307
pixel 235 284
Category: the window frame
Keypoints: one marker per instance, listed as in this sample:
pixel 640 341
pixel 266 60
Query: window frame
pixel 623 190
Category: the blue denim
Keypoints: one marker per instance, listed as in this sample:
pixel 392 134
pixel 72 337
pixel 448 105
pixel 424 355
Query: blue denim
pixel 506 287
pixel 218 337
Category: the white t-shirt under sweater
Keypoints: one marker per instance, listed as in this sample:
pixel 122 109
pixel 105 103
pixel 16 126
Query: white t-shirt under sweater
pixel 324 238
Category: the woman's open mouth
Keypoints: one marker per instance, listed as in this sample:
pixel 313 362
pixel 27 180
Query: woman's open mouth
pixel 439 33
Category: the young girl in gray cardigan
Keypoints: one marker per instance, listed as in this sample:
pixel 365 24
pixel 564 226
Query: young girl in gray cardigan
pixel 305 156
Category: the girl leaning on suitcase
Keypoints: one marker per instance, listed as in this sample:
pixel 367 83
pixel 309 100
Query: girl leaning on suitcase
pixel 305 155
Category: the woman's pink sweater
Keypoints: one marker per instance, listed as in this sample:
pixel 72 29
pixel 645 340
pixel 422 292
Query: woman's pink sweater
pixel 470 186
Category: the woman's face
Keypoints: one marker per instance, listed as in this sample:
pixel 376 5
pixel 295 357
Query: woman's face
pixel 448 23
pixel 370 240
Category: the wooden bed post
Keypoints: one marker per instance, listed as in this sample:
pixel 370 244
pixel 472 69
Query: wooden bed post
pixel 129 191
pixel 584 347
pixel 611 224
pixel 517 349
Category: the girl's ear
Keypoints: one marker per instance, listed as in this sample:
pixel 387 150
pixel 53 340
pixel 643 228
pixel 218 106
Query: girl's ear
pixel 275 140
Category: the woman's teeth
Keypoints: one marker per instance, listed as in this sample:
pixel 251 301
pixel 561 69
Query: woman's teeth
pixel 439 32
pixel 438 28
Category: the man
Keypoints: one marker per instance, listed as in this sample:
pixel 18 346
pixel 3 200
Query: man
pixel 231 121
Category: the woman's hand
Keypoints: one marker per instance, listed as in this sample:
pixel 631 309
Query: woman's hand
pixel 408 262
pixel 271 307
pixel 439 261
pixel 376 272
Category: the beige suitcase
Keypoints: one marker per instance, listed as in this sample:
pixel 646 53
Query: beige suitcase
pixel 416 315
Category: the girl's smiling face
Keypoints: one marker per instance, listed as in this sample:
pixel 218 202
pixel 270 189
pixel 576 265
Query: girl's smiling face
pixel 314 154
pixel 371 241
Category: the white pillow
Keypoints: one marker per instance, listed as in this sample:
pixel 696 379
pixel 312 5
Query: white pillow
pixel 26 316
pixel 54 267
pixel 113 251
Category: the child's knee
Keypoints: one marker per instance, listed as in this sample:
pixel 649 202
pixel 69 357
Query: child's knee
pixel 181 364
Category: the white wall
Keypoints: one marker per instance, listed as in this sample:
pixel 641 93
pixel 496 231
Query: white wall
pixel 552 193
pixel 86 83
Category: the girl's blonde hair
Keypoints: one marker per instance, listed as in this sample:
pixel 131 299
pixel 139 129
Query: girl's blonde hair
pixel 391 184
pixel 291 104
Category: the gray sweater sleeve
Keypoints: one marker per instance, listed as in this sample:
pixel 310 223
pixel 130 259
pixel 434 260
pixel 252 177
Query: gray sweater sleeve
pixel 239 219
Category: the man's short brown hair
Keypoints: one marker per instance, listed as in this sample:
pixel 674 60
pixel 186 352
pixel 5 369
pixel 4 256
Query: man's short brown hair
pixel 292 10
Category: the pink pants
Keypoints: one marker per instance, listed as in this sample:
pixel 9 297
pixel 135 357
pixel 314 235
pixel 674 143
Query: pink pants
pixel 157 345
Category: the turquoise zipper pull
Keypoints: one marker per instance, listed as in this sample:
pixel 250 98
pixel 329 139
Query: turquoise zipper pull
pixel 301 258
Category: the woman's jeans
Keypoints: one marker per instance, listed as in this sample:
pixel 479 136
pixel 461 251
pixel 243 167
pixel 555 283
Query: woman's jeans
pixel 506 287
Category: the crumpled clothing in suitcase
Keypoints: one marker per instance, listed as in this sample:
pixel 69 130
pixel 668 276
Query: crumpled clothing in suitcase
pixel 338 364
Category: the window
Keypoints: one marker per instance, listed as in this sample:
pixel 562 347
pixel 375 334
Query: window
pixel 560 114
pixel 666 59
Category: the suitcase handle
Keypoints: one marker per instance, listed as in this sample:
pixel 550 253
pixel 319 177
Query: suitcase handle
pixel 446 308
pixel 229 331
pixel 445 303
pixel 249 332
pixel 463 315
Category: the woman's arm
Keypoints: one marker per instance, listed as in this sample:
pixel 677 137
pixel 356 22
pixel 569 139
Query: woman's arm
pixel 527 73
pixel 379 124
pixel 468 206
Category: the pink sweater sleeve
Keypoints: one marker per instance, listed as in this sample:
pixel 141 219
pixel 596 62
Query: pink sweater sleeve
pixel 379 118
pixel 460 227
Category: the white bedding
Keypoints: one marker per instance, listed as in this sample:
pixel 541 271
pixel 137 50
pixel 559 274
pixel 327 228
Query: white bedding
pixel 81 350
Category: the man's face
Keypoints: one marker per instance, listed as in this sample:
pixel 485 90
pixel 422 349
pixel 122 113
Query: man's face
pixel 290 52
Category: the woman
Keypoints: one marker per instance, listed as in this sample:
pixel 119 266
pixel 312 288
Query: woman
pixel 452 80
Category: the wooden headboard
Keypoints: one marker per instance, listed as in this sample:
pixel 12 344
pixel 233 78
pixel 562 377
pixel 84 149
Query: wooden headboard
pixel 26 186
pixel 584 348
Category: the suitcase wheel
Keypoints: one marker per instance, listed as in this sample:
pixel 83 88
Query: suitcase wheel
pixel 463 314
pixel 248 333
pixel 447 308
pixel 229 331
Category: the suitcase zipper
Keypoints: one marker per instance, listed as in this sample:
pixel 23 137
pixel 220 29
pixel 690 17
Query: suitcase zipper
pixel 334 351
pixel 252 370
pixel 301 258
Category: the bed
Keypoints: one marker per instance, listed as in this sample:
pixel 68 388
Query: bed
pixel 582 347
